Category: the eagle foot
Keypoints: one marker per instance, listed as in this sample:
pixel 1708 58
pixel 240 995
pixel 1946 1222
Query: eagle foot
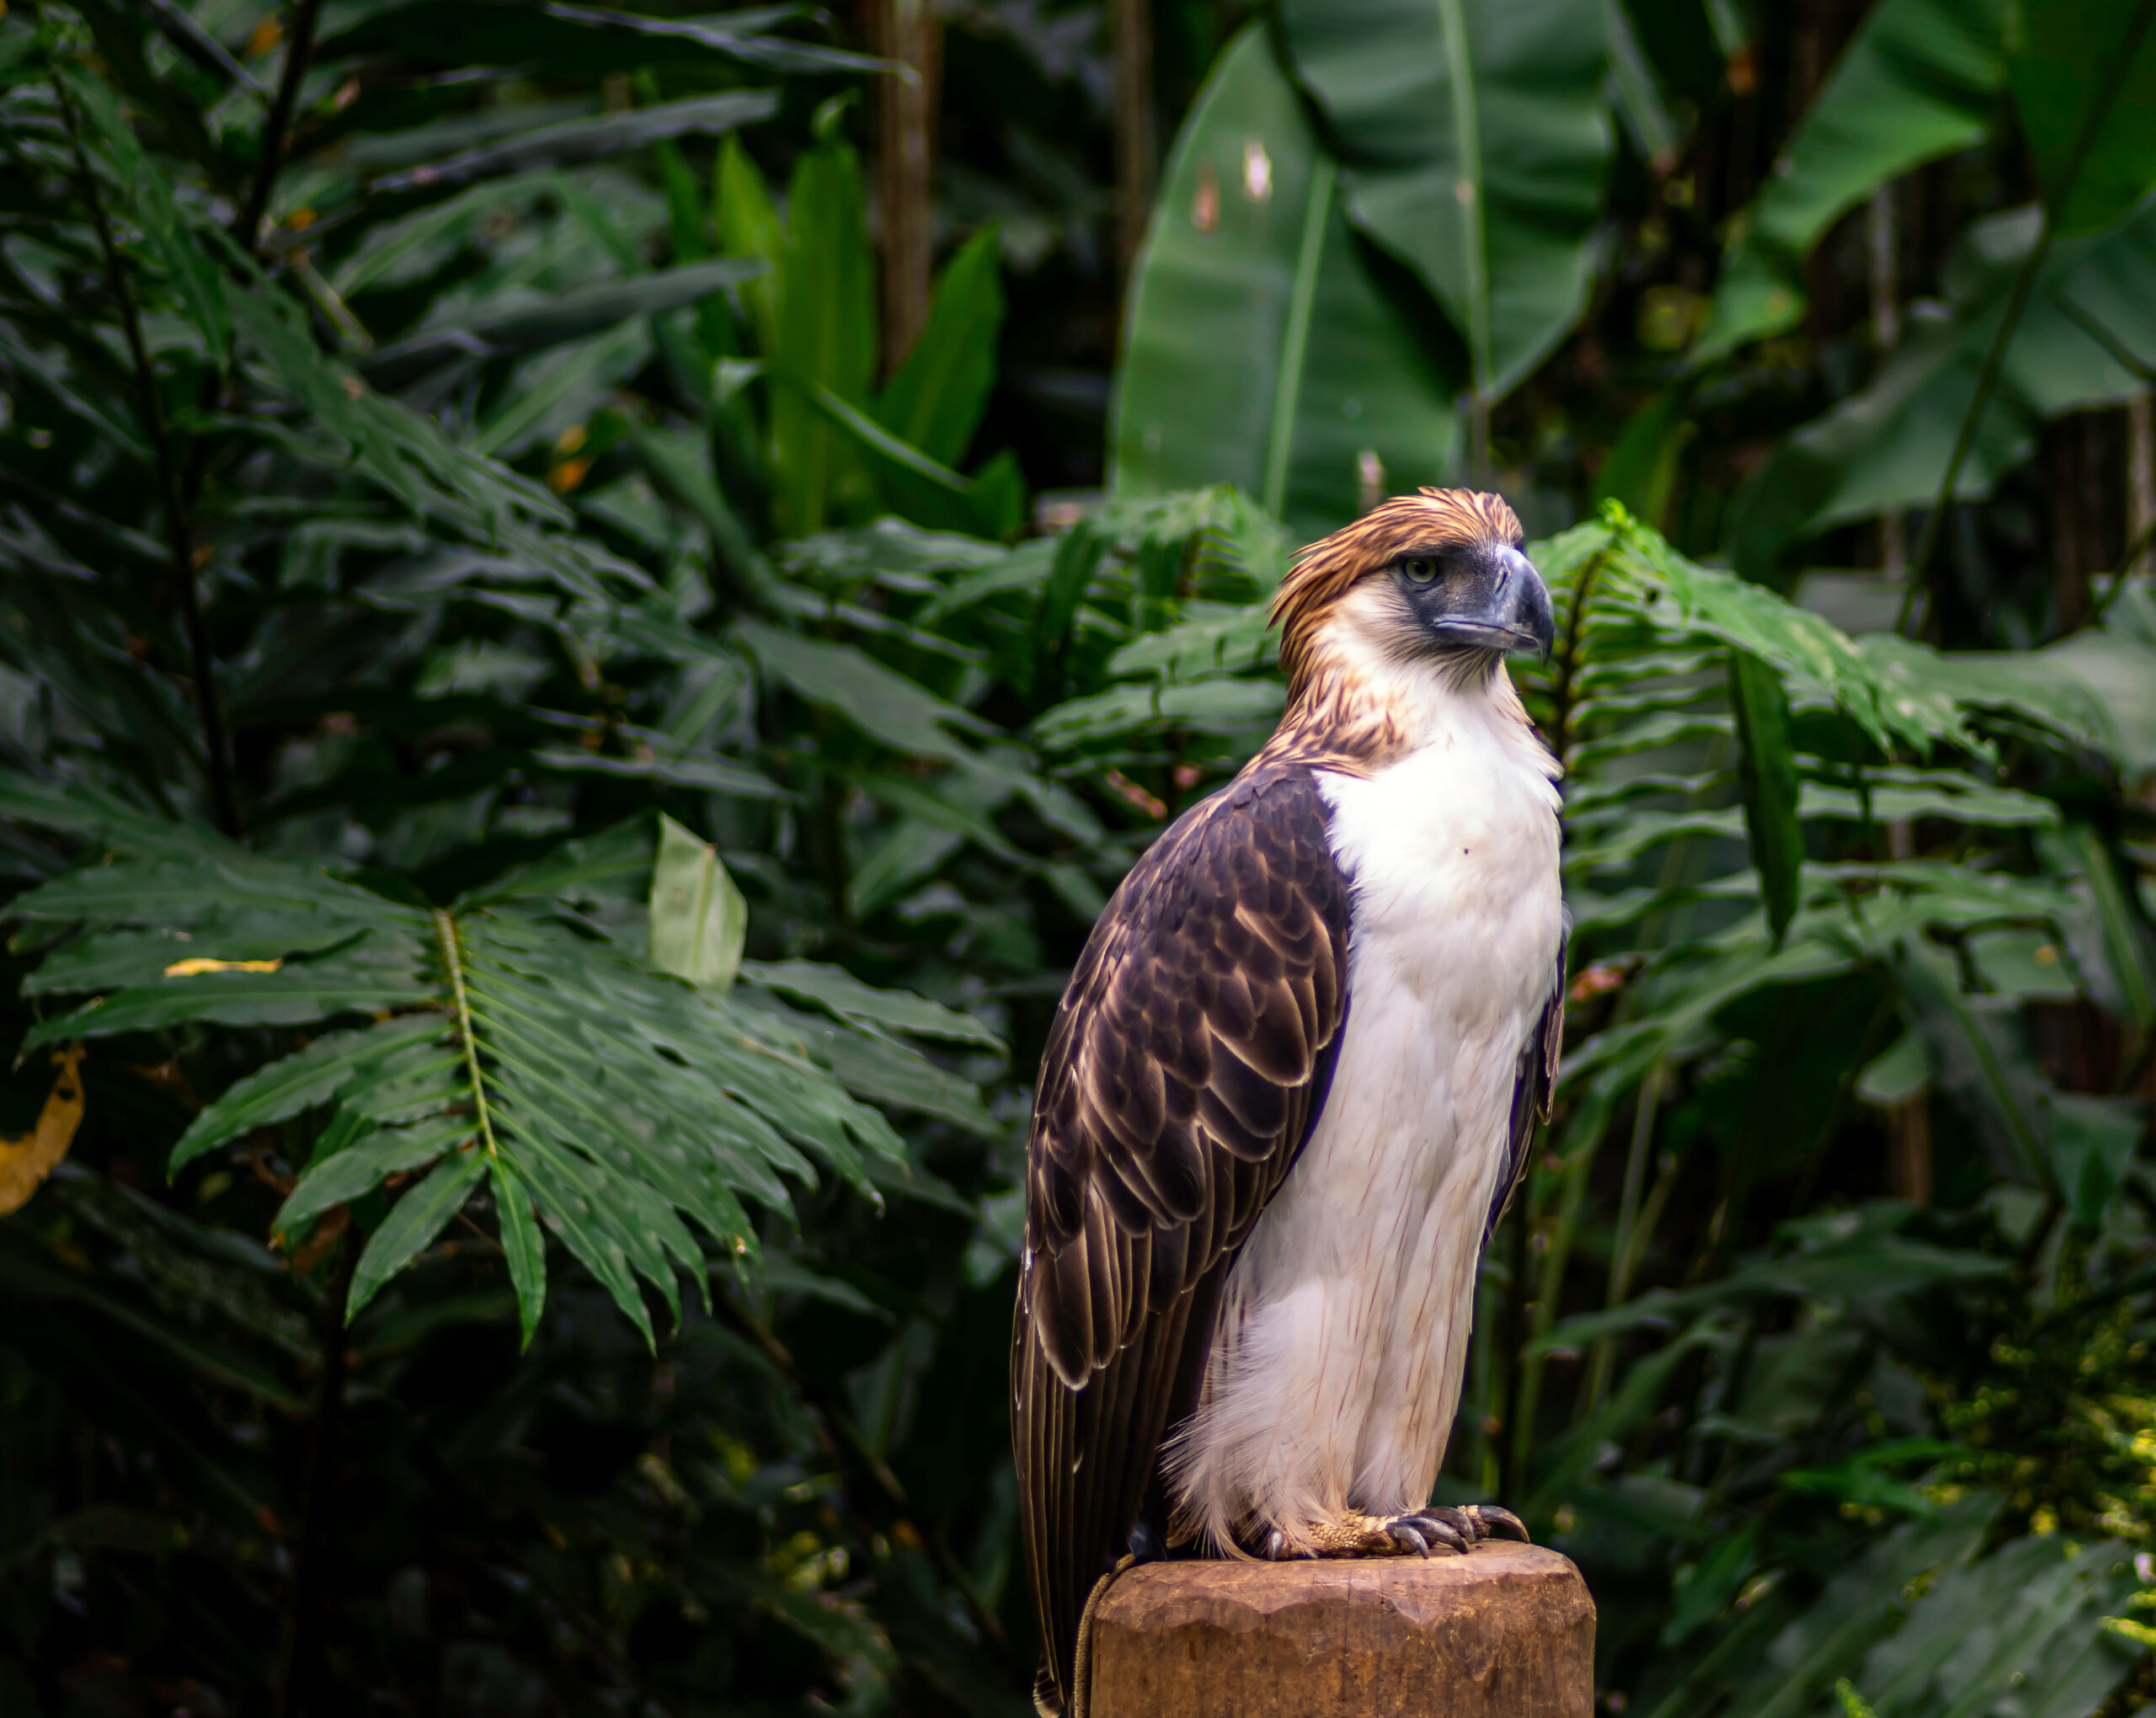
pixel 1417 1533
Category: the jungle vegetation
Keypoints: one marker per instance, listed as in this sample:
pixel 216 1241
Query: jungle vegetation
pixel 594 596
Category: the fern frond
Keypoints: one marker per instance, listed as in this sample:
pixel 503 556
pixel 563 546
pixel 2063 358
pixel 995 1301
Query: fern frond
pixel 520 1059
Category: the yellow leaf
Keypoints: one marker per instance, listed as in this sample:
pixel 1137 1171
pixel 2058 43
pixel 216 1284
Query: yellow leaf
pixel 25 1162
pixel 189 968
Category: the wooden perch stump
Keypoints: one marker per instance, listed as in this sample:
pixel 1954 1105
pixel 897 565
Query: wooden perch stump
pixel 1506 1631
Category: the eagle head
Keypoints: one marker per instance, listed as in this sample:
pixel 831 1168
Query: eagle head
pixel 1435 575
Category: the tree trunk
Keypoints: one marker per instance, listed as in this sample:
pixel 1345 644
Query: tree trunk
pixel 911 33
pixel 1136 161
pixel 2140 482
pixel 2079 461
pixel 1883 253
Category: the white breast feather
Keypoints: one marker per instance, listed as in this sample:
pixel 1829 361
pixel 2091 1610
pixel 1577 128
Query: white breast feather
pixel 1337 1356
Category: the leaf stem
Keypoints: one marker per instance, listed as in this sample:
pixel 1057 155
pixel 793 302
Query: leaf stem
pixel 1295 340
pixel 1467 193
pixel 1568 661
pixel 1527 1389
pixel 1621 1248
pixel 452 962
pixel 247 227
pixel 2025 283
pixel 197 45
pixel 180 534
pixel 1987 379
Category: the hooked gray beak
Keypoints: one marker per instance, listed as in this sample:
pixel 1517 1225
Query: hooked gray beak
pixel 1509 608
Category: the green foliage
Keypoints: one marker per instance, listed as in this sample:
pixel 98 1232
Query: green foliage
pixel 835 450
pixel 697 916
pixel 1919 81
pixel 2085 79
pixel 1492 201
pixel 397 539
pixel 1264 348
pixel 2078 343
pixel 536 772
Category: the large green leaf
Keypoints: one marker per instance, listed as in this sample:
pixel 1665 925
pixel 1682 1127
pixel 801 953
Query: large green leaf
pixel 1474 134
pixel 291 995
pixel 1920 79
pixel 2089 322
pixel 2068 55
pixel 823 335
pixel 361 1162
pixel 1767 767
pixel 935 399
pixel 924 492
pixel 416 1219
pixel 1261 348
pixel 845 995
pixel 749 227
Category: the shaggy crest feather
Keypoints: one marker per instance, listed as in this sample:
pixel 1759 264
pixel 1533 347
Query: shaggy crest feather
pixel 1324 572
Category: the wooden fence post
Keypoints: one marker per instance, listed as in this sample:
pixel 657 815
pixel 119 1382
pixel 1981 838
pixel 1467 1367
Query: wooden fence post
pixel 1506 1631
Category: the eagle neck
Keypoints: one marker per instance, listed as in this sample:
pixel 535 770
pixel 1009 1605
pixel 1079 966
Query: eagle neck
pixel 1361 717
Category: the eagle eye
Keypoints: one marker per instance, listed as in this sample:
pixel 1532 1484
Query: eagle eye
pixel 1420 569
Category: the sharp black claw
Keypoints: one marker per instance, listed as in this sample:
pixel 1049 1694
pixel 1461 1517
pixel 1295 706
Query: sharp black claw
pixel 1276 1546
pixel 1432 1525
pixel 1495 1518
pixel 1462 1522
pixel 1405 1536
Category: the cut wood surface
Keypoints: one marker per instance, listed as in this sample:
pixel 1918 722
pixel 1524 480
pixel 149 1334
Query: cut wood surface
pixel 1505 1632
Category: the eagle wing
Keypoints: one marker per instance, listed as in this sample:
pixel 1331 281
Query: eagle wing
pixel 1531 1085
pixel 1187 1066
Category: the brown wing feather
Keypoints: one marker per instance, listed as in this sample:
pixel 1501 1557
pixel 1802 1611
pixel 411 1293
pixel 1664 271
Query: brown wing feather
pixel 1531 1087
pixel 1186 1068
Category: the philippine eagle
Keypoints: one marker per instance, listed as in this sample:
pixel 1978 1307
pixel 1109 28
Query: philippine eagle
pixel 1289 1091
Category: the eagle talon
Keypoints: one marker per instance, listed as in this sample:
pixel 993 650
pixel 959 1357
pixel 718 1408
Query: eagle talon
pixel 1403 1534
pixel 1445 1526
pixel 1495 1519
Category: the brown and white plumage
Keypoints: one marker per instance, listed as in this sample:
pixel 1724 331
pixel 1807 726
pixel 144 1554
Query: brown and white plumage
pixel 1290 1087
